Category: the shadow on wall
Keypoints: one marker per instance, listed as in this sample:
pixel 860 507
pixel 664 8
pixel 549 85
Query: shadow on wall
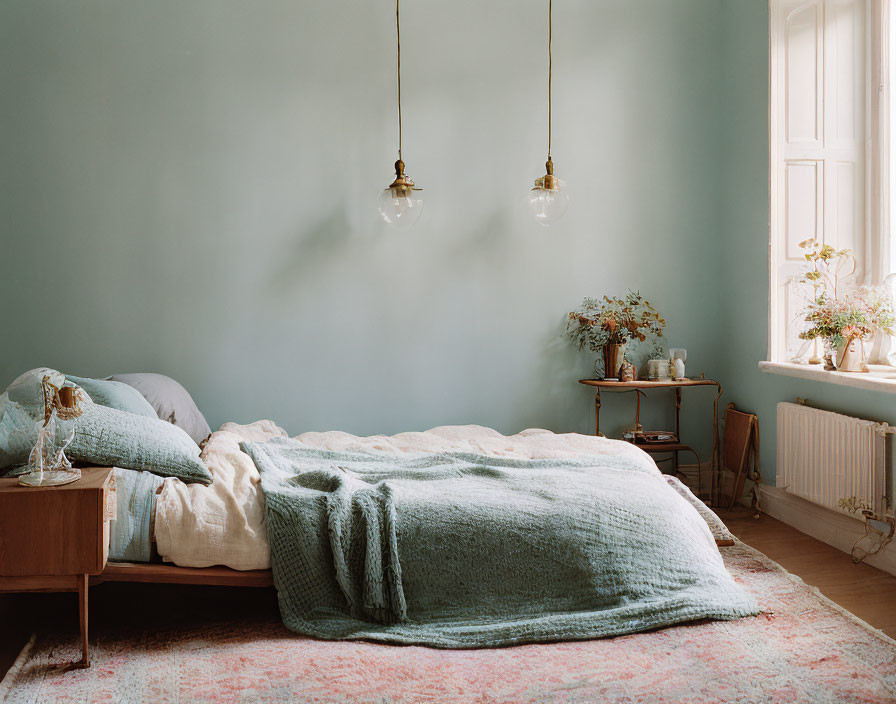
pixel 311 251
pixel 559 367
pixel 489 242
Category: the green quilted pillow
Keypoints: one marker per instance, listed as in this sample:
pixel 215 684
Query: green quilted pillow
pixel 114 394
pixel 111 438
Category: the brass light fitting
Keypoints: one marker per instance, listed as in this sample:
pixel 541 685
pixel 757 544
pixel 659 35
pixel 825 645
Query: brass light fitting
pixel 402 185
pixel 548 182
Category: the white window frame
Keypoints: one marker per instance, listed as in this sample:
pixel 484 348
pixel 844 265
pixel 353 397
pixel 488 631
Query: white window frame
pixel 879 258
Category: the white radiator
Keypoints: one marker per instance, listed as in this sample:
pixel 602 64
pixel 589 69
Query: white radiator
pixel 826 457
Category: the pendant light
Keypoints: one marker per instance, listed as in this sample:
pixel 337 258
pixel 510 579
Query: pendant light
pixel 549 199
pixel 399 204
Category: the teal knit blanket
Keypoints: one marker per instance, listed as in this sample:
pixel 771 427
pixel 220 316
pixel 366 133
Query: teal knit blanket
pixel 460 550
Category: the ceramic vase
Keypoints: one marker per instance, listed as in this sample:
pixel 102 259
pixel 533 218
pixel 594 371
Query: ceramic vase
pixel 849 356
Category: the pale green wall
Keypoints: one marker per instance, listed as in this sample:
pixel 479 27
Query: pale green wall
pixel 745 235
pixel 188 186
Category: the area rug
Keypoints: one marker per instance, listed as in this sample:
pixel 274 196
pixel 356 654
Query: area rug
pixel 802 648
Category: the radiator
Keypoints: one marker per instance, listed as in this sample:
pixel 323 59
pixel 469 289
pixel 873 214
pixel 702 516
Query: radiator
pixel 828 458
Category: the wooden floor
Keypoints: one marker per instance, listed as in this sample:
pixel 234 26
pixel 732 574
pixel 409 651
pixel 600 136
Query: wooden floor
pixel 864 590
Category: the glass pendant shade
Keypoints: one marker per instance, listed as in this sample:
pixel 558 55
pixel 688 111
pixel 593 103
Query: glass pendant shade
pixel 549 200
pixel 400 208
pixel 400 204
pixel 548 205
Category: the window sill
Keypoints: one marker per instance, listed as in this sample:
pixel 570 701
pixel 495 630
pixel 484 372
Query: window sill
pixel 880 378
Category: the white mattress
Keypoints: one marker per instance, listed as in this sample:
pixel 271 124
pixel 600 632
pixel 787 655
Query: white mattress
pixel 223 524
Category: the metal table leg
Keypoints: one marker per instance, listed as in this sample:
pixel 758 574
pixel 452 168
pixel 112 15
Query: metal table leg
pixel 715 480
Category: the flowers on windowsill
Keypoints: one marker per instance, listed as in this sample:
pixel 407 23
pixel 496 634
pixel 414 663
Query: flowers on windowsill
pixel 839 316
pixel 854 316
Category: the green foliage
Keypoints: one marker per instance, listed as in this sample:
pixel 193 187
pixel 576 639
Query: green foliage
pixel 613 320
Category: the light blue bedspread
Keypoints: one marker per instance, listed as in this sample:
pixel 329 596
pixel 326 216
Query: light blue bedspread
pixel 131 532
pixel 462 550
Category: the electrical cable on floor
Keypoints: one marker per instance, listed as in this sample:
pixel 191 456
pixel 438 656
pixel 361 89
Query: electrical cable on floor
pixel 859 554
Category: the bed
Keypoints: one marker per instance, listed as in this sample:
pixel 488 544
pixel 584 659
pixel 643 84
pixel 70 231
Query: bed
pixel 171 532
pixel 454 537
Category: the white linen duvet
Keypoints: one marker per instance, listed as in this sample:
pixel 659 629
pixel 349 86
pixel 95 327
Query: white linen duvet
pixel 223 524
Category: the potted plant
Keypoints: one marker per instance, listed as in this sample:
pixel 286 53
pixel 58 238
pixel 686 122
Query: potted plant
pixel 846 321
pixel 608 324
pixel 826 271
pixel 842 317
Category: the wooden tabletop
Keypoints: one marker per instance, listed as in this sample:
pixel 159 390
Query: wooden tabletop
pixel 91 478
pixel 644 384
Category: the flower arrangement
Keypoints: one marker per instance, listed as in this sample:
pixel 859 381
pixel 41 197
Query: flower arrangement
pixel 838 315
pixel 613 321
pixel 852 316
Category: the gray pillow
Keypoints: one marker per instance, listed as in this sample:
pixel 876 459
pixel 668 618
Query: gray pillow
pixel 114 394
pixel 171 402
pixel 111 438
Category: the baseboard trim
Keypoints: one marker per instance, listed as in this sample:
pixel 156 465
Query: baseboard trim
pixel 836 529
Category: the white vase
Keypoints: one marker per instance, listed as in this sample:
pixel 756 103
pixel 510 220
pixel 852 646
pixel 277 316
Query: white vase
pixel 850 356
pixel 678 369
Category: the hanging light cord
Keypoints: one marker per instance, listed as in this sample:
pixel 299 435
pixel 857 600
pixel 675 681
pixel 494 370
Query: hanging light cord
pixel 550 68
pixel 398 35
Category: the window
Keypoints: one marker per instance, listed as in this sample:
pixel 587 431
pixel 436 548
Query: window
pixel 830 169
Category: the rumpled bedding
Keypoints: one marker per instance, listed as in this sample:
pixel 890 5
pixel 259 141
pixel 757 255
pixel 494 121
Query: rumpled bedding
pixel 223 524
pixel 462 550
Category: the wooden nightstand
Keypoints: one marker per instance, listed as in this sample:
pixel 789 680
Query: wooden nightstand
pixel 54 538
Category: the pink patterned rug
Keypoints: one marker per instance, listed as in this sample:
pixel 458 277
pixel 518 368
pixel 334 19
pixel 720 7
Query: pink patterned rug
pixel 803 648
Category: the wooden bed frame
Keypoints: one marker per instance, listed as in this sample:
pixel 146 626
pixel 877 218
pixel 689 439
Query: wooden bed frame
pixel 147 572
pixel 164 573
